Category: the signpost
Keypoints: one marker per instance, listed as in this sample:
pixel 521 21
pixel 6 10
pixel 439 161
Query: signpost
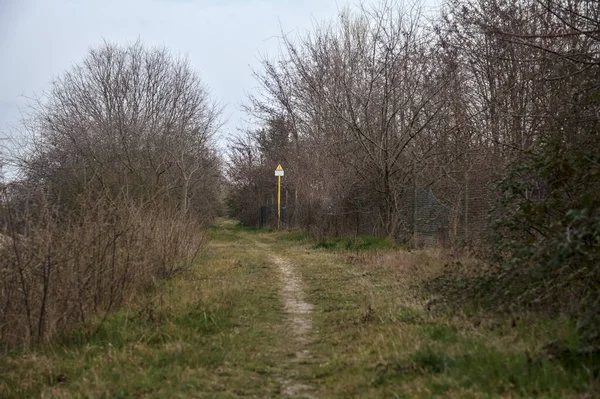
pixel 279 173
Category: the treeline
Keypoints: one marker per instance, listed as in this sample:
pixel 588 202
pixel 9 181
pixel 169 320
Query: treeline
pixel 383 107
pixel 479 125
pixel 117 183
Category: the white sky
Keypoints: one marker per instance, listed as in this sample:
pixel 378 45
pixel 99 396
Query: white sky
pixel 39 39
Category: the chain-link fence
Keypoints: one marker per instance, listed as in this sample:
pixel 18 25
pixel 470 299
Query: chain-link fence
pixel 428 211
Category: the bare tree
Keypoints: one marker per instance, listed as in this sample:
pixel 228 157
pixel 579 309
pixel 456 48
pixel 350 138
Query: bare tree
pixel 127 121
pixel 122 177
pixel 359 92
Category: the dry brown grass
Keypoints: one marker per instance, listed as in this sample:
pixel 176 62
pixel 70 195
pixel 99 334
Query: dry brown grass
pixel 411 268
pixel 60 273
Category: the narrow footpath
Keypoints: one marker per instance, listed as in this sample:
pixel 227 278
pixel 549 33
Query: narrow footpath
pixel 300 324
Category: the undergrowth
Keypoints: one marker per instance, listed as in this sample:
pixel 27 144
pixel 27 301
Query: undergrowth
pixel 358 243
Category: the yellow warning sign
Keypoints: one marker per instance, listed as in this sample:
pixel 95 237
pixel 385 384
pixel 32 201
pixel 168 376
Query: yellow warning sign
pixel 279 173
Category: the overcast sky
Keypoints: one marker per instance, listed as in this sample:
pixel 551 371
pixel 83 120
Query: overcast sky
pixel 223 39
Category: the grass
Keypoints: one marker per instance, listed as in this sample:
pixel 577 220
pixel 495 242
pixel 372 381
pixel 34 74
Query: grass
pixel 362 243
pixel 378 339
pixel 213 331
pixel 218 331
pixel 355 244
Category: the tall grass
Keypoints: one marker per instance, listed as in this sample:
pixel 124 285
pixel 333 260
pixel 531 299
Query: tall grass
pixel 59 272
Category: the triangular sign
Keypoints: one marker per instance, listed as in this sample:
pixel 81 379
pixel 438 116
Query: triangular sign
pixel 279 167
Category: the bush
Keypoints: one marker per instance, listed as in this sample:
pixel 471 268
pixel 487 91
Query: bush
pixel 60 272
pixel 116 184
pixel 548 243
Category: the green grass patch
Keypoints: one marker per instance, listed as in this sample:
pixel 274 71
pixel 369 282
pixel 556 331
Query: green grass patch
pixel 228 230
pixel 296 236
pixel 360 243
pixel 442 333
pixel 355 244
pixel 429 361
pixel 479 368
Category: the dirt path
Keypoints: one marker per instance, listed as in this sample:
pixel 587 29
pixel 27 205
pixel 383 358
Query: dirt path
pixel 299 314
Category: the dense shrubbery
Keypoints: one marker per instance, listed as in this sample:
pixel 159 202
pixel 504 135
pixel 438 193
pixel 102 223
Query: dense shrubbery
pixel 61 271
pixel 114 192
pixel 549 234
